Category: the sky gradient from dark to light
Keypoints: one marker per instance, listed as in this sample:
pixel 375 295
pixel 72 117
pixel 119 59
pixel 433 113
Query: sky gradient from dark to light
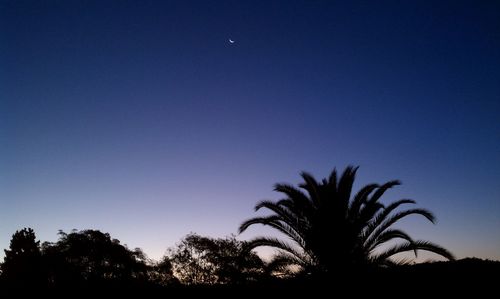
pixel 141 119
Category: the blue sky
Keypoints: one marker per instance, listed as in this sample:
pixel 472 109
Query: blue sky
pixel 139 118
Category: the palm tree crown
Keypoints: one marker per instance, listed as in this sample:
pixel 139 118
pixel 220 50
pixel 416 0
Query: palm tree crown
pixel 330 230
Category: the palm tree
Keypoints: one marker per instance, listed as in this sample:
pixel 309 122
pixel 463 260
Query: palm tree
pixel 330 231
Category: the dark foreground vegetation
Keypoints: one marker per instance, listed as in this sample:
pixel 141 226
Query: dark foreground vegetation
pixel 102 266
pixel 334 245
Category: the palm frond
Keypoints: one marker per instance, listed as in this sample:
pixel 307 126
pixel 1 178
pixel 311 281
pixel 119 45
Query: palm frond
pixel 332 179
pixel 345 186
pixel 415 245
pixel 311 186
pixel 281 210
pixel 395 218
pixel 360 198
pixel 276 243
pixel 289 213
pixel 283 260
pixel 387 236
pixel 290 191
pixel 368 210
pixel 380 191
pixel 296 196
pixel 381 217
pixel 265 220
pixel 294 232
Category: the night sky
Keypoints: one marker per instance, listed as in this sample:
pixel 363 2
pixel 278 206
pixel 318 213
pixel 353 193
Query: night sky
pixel 141 119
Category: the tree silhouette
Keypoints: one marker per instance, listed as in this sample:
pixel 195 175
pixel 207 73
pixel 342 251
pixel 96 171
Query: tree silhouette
pixel 332 232
pixel 90 257
pixel 204 260
pixel 22 262
pixel 161 273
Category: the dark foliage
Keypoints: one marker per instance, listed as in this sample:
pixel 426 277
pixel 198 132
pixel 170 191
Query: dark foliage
pixel 91 257
pixel 22 262
pixel 204 260
pixel 81 259
pixel 332 232
pixel 25 267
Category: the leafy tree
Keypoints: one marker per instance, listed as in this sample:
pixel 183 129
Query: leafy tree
pixel 161 273
pixel 330 231
pixel 203 260
pixel 22 261
pixel 90 257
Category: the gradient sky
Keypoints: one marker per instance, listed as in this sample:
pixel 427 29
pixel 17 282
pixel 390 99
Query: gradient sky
pixel 140 119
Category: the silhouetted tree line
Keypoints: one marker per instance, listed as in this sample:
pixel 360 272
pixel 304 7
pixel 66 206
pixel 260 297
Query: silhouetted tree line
pixel 337 241
pixel 90 258
pixel 78 259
